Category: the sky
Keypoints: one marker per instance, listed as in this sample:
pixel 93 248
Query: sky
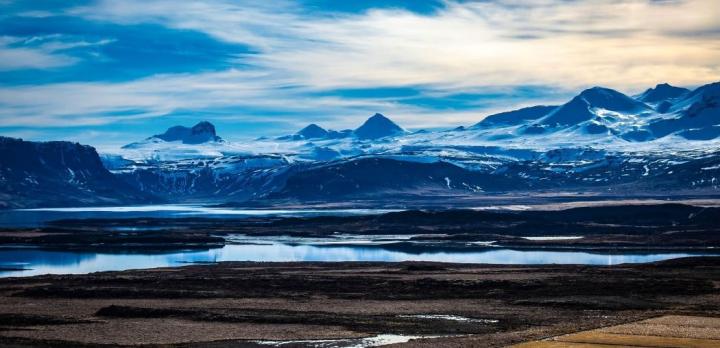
pixel 108 72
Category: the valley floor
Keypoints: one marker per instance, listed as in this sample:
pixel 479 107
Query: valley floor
pixel 246 304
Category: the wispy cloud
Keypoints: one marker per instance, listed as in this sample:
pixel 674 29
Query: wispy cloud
pixel 40 52
pixel 619 44
pixel 14 56
pixel 303 58
pixel 625 44
pixel 231 95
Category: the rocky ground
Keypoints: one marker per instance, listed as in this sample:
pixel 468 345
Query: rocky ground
pixel 248 304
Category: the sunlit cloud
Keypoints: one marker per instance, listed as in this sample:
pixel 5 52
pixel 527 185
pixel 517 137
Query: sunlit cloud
pixel 299 59
pixel 617 44
pixel 623 44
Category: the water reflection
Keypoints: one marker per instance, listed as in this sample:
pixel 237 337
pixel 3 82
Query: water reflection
pixel 25 258
pixel 66 262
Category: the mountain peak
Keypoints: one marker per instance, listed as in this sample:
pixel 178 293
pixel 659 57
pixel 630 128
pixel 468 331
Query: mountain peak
pixel 610 99
pixel 378 126
pixel 313 131
pixel 662 92
pixel 203 127
pixel 202 132
pixel 580 108
pixel 597 89
pixel 600 95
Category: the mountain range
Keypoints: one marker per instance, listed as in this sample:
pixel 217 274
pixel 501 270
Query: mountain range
pixel 664 141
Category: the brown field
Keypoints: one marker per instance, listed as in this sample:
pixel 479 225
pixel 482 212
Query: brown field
pixel 237 304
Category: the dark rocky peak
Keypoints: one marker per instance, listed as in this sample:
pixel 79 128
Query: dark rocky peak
pixel 378 126
pixel 202 132
pixel 662 92
pixel 313 131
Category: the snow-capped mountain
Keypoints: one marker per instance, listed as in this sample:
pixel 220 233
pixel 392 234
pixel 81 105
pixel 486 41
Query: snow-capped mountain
pixel 695 117
pixel 663 96
pixel 594 111
pixel 593 103
pixel 600 142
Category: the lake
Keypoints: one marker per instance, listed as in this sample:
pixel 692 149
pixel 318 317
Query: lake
pixel 384 248
pixel 37 261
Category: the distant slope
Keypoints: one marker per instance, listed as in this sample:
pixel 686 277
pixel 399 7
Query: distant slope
pixel 515 117
pixel 662 92
pixel 58 173
pixel 376 127
pixel 381 177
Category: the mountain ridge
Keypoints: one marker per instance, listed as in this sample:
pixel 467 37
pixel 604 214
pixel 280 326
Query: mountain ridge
pixel 58 173
pixel 662 92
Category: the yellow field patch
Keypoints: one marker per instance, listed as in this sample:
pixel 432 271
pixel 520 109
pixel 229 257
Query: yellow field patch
pixel 558 344
pixel 663 332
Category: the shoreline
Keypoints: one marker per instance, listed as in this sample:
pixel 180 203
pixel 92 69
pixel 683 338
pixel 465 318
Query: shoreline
pixel 622 227
pixel 589 235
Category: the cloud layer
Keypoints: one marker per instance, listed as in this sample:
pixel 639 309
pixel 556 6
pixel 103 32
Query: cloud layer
pixel 288 62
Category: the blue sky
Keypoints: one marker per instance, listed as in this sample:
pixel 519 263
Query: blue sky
pixel 108 72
